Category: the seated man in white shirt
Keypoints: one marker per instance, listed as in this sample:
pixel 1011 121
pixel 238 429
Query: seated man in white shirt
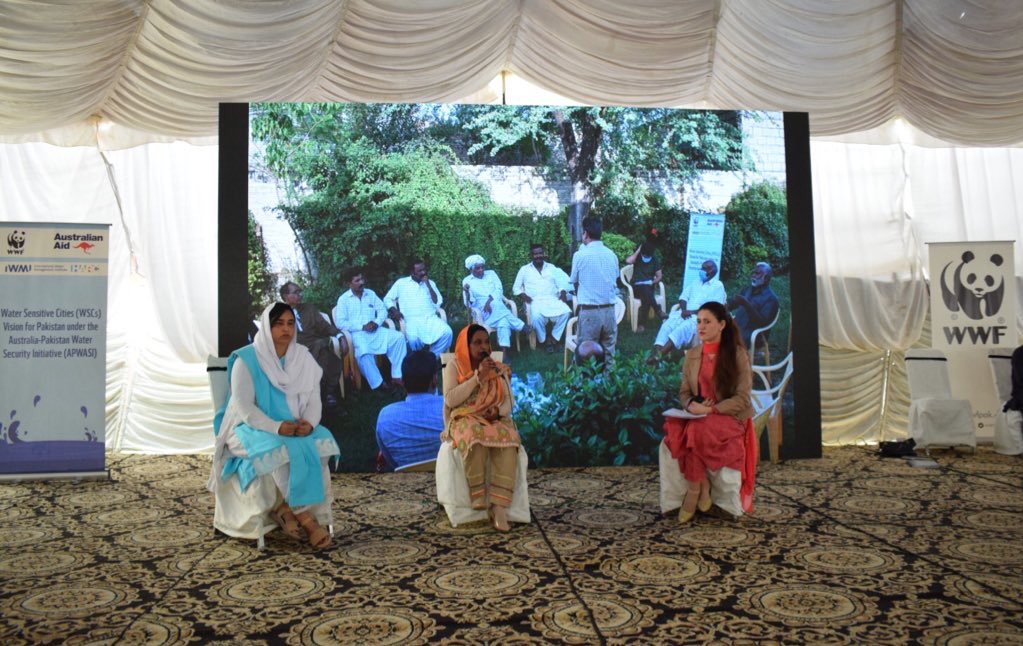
pixel 545 288
pixel 679 330
pixel 415 298
pixel 361 313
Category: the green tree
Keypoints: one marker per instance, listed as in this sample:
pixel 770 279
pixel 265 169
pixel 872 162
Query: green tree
pixel 611 154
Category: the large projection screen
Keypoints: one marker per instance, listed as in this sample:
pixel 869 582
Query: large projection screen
pixel 321 189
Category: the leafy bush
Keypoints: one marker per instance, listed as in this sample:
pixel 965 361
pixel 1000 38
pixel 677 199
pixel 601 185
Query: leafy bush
pixel 619 244
pixel 756 230
pixel 594 418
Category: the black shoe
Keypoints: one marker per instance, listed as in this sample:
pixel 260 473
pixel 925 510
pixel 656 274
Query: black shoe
pixel 550 348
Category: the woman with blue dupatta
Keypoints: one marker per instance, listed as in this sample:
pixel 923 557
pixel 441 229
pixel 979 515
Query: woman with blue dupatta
pixel 270 464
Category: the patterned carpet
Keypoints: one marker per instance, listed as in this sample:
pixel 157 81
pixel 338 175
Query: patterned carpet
pixel 850 549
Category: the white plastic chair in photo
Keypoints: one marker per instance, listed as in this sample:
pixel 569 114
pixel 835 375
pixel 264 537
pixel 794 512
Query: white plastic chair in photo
pixel 1008 424
pixel 632 303
pixel 475 315
pixel 935 418
pixel 453 488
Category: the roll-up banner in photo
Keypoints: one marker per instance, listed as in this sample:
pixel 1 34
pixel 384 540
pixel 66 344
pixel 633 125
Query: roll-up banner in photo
pixel 706 235
pixel 973 310
pixel 53 299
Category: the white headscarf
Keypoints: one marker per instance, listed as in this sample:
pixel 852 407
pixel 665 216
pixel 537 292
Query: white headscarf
pixel 300 374
pixel 473 260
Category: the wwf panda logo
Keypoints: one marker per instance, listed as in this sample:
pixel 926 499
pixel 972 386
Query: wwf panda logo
pixel 16 239
pixel 975 286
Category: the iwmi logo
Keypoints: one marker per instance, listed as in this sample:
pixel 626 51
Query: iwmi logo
pixel 976 287
pixel 16 243
pixel 17 269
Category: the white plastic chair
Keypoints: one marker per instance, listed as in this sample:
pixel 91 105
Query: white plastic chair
pixel 760 336
pixel 660 296
pixel 453 488
pixel 335 346
pixel 935 419
pixel 1008 424
pixel 571 338
pixel 767 403
pixel 476 316
pixel 527 313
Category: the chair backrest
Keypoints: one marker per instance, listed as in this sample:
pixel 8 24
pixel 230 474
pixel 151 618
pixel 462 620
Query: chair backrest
pixel 216 370
pixel 626 274
pixel 927 371
pixel 759 335
pixel 1001 370
pixel 770 397
pixel 619 310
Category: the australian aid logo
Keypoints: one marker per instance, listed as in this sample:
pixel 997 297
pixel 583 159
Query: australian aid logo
pixel 977 304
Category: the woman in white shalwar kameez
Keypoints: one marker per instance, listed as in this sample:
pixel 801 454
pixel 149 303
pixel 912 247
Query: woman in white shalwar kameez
pixel 270 464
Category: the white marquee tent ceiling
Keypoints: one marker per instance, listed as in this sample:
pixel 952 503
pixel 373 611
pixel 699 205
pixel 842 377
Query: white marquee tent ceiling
pixel 952 68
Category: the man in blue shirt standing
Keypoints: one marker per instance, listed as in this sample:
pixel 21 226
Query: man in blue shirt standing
pixel 408 432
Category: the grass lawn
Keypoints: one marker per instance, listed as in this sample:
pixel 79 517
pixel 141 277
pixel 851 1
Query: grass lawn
pixel 355 426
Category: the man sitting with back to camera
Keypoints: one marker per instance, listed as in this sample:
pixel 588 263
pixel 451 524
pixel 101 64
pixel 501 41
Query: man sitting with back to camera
pixel 317 334
pixel 756 305
pixel 408 432
pixel 361 313
pixel 679 330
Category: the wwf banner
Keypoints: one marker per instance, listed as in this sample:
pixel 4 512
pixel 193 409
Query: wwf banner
pixel 973 310
pixel 53 299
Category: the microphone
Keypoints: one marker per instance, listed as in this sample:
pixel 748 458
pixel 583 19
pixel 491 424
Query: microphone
pixel 484 355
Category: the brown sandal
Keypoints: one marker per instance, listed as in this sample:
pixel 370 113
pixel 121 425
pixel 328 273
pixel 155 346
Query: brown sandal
pixel 318 536
pixel 286 520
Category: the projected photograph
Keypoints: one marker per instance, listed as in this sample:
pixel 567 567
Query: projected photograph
pixel 391 227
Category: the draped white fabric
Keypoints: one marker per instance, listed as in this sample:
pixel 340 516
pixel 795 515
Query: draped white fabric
pixel 161 318
pixel 952 68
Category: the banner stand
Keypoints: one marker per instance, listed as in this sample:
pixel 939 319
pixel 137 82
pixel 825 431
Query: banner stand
pixel 53 350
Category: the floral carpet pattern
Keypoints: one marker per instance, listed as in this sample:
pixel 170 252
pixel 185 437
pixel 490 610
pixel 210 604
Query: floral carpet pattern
pixel 850 548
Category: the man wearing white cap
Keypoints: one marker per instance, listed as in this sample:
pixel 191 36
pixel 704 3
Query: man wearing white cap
pixel 485 293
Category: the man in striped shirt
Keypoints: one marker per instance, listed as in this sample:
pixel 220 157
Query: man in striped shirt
pixel 595 275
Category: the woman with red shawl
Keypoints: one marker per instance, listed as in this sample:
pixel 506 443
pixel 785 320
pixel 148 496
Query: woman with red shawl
pixel 479 424
pixel 716 383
